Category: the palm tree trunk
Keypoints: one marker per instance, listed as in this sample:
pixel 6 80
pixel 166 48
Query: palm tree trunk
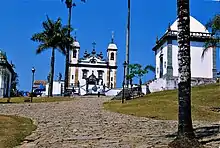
pixel 52 73
pixel 67 53
pixel 184 60
pixel 186 136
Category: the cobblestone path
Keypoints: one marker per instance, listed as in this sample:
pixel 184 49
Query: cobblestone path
pixel 84 123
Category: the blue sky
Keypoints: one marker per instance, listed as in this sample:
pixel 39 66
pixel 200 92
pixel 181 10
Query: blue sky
pixel 94 20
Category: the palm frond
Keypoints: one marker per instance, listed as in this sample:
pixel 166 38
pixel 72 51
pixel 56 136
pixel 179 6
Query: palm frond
pixel 214 41
pixel 38 37
pixel 41 48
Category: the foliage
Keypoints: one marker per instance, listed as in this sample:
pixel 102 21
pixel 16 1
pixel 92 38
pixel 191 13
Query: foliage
pixel 136 70
pixel 14 84
pixel 214 26
pixel 59 77
pixel 54 35
pixel 69 3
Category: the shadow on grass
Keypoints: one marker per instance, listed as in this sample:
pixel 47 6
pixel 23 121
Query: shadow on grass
pixel 208 132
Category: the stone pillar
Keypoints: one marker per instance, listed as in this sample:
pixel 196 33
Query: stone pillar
pixel 214 70
pixel 169 60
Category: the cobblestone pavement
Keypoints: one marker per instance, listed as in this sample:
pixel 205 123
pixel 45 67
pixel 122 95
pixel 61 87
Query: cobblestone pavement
pixel 84 123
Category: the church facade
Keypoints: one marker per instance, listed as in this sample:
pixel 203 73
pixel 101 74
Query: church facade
pixel 203 69
pixel 92 73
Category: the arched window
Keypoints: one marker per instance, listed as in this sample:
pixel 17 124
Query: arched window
pixel 112 56
pixel 74 53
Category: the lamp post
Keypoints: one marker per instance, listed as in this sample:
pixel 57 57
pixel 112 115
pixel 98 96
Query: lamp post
pixel 32 88
pixel 128 41
pixel 123 84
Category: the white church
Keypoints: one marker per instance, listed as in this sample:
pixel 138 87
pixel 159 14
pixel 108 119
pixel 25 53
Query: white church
pixel 203 70
pixel 92 73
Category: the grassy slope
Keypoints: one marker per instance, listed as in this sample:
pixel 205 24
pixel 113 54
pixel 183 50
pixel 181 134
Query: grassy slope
pixel 36 99
pixel 14 129
pixel 164 105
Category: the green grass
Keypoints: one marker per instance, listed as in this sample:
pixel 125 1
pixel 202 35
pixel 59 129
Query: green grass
pixel 14 129
pixel 36 99
pixel 164 105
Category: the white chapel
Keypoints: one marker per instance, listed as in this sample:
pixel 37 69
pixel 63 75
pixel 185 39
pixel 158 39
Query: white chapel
pixel 203 69
pixel 92 73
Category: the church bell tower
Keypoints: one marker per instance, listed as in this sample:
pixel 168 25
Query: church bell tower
pixel 112 63
pixel 74 57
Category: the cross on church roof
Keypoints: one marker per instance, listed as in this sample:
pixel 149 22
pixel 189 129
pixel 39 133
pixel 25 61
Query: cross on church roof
pixel 112 37
pixel 75 34
pixel 94 44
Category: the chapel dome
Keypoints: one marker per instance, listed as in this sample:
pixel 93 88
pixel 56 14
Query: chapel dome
pixel 112 46
pixel 195 26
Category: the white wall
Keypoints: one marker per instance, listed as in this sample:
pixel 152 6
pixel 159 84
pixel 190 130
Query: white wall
pixel 56 88
pixel 200 67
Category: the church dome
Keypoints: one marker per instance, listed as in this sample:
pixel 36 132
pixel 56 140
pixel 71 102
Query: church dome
pixel 112 46
pixel 75 44
pixel 195 26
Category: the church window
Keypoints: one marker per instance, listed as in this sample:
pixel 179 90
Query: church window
pixel 74 53
pixel 85 72
pixel 72 76
pixel 111 78
pixel 100 74
pixel 112 56
pixel 165 64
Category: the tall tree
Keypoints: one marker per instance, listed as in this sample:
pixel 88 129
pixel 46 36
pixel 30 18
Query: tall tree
pixel 54 36
pixel 186 136
pixel 69 5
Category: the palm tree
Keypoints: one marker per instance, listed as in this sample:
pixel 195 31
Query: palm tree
pixel 69 5
pixel 54 36
pixel 186 136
